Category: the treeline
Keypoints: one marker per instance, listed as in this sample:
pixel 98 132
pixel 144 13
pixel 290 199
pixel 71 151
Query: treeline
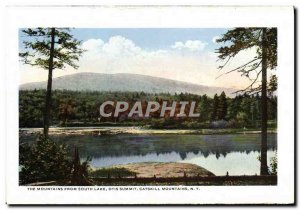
pixel 82 108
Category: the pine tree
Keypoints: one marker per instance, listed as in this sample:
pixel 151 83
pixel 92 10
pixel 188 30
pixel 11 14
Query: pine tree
pixel 49 49
pixel 204 107
pixel 222 109
pixel 215 107
pixel 264 40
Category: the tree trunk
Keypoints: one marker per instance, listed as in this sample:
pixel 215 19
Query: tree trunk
pixel 264 117
pixel 49 86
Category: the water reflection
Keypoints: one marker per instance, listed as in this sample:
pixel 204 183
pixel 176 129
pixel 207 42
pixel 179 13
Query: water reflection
pixel 236 163
pixel 236 153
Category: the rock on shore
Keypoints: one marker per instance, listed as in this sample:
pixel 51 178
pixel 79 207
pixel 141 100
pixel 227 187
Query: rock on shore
pixel 149 169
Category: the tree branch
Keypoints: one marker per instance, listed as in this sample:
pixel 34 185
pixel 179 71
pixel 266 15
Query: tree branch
pixel 238 68
pixel 250 86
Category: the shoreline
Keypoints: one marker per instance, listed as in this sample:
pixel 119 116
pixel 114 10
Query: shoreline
pixel 163 174
pixel 99 131
pixel 152 169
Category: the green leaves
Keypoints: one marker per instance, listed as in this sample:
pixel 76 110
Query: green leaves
pixel 273 165
pixel 240 39
pixel 37 49
pixel 44 160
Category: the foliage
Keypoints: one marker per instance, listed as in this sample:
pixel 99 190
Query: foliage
pixel 44 160
pixel 222 109
pixel 220 124
pixel 204 108
pixel 215 106
pixel 219 108
pixel 65 110
pixel 240 39
pixel 49 49
pixel 82 109
pixel 241 119
pixel 264 42
pixel 37 50
pixel 80 171
pixel 273 165
pixel 272 85
pixel 272 169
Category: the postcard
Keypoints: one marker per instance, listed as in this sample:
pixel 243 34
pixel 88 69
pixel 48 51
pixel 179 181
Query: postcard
pixel 157 105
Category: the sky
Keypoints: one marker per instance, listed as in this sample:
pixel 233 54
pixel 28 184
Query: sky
pixel 185 54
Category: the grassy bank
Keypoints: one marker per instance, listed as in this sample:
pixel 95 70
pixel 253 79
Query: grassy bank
pixel 192 181
pixel 168 174
pixel 215 181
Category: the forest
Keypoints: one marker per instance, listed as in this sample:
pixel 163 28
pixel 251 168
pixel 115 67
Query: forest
pixel 81 108
pixel 254 107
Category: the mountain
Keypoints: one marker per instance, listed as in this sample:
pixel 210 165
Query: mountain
pixel 125 82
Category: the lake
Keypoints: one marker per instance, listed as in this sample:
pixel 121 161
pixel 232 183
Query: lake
pixel 233 153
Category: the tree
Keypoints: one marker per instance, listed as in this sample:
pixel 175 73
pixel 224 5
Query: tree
pixel 222 109
pixel 254 110
pixel 80 171
pixel 66 110
pixel 49 49
pixel 272 85
pixel 264 40
pixel 215 107
pixel 234 107
pixel 204 107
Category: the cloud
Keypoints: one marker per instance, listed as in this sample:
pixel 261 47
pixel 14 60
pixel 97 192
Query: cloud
pixel 116 48
pixel 92 44
pixel 122 55
pixel 191 45
pixel 118 45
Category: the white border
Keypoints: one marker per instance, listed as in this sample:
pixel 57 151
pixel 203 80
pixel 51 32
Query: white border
pixel 156 17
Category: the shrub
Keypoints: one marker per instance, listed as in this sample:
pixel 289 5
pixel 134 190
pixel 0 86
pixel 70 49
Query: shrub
pixel 273 165
pixel 242 119
pixel 44 160
pixel 272 169
pixel 219 124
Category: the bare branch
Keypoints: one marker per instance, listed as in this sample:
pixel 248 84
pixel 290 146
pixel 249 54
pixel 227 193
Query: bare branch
pixel 221 67
pixel 238 68
pixel 251 85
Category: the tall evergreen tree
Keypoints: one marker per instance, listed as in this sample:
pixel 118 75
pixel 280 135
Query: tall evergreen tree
pixel 234 107
pixel 49 49
pixel 254 110
pixel 215 108
pixel 264 40
pixel 204 107
pixel 222 109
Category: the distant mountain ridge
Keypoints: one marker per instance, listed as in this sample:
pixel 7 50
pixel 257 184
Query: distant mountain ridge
pixel 125 82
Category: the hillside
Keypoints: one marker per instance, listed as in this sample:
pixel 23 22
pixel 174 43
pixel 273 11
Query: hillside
pixel 125 82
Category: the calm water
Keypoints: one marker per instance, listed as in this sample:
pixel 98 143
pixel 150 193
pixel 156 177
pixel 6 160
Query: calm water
pixel 235 153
